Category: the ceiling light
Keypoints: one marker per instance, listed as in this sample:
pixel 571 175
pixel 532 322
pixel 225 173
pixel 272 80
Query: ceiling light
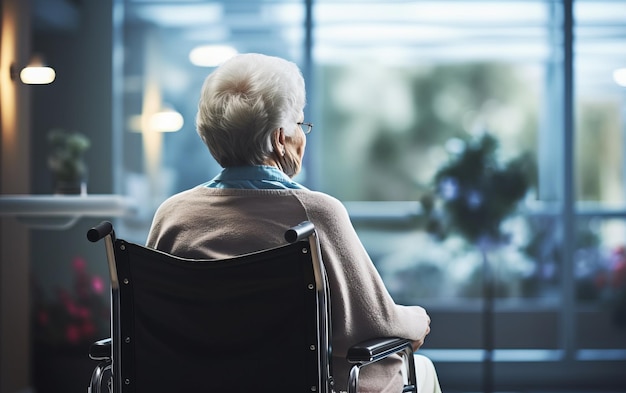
pixel 167 120
pixel 619 76
pixel 211 55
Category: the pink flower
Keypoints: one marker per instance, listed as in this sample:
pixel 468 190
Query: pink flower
pixel 97 284
pixel 79 313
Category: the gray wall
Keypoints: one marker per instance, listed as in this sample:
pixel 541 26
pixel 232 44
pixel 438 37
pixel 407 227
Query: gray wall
pixel 80 99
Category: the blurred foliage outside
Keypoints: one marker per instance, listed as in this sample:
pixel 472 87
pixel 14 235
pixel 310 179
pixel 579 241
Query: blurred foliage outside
pixel 389 135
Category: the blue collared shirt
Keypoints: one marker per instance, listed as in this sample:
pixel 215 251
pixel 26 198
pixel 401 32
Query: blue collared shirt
pixel 253 177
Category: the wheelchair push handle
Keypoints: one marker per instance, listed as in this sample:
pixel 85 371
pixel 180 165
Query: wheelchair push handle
pixel 100 231
pixel 299 232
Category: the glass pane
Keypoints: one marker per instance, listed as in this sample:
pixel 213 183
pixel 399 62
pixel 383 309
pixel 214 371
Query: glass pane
pixel 398 80
pixel 599 52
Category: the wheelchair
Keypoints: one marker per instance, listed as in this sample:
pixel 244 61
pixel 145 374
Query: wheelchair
pixel 254 322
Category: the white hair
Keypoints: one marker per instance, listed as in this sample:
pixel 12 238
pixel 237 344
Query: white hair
pixel 243 102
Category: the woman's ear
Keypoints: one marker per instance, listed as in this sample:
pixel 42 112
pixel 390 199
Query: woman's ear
pixel 278 140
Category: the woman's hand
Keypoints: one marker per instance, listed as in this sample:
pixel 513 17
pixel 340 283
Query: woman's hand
pixel 418 343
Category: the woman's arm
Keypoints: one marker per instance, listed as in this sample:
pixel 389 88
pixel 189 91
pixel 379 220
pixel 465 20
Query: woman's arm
pixel 361 305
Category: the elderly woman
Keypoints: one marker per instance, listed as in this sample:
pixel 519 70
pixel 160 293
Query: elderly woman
pixel 251 118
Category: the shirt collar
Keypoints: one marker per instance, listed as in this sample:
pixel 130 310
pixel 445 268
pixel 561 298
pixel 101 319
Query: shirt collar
pixel 254 177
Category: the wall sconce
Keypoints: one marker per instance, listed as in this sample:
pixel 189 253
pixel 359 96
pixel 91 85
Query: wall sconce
pixel 211 55
pixel 35 73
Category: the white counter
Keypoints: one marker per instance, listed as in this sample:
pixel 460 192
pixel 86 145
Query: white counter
pixel 62 211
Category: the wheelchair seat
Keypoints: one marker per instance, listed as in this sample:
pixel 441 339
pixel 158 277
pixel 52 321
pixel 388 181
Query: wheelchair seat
pixel 254 322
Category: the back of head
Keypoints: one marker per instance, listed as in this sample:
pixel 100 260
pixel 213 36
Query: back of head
pixel 243 101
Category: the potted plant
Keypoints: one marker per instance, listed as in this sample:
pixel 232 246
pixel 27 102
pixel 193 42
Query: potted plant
pixel 477 192
pixel 66 161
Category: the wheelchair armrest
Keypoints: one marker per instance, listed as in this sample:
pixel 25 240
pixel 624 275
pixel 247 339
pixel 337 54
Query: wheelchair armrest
pixel 371 351
pixel 375 349
pixel 100 350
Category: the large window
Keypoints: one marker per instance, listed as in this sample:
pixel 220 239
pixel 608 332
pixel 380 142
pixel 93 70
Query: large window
pixel 397 90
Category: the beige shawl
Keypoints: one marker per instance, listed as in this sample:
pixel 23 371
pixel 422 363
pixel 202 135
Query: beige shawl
pixel 216 223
